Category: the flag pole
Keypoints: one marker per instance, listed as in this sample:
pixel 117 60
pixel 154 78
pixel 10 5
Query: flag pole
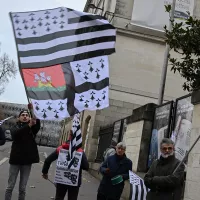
pixel 20 70
pixel 51 182
pixel 166 55
pixel 186 155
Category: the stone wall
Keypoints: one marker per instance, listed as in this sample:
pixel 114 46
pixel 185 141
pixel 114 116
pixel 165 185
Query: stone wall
pixel 192 191
pixel 132 139
pixel 117 110
pixel 66 126
pixel 138 135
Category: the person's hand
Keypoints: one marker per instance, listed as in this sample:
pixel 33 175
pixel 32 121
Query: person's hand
pixel 30 106
pixel 107 171
pixel 32 122
pixel 45 176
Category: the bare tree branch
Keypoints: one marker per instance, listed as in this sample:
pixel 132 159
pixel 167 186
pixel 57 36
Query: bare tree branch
pixel 8 71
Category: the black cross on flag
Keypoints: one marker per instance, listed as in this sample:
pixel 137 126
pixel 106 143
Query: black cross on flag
pixel 61 91
pixel 61 35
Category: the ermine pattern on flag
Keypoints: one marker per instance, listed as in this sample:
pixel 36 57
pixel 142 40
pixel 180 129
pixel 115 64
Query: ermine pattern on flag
pixel 54 36
pixel 1 122
pixel 76 141
pixel 60 91
pixel 138 188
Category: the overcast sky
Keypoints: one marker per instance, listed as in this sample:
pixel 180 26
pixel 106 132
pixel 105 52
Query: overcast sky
pixel 15 92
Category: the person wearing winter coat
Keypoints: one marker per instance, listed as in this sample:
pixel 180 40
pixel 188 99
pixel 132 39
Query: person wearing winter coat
pixel 115 166
pixel 160 179
pixel 62 189
pixel 24 152
pixel 2 137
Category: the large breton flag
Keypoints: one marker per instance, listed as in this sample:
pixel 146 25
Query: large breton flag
pixel 49 37
pixel 63 55
pixel 138 188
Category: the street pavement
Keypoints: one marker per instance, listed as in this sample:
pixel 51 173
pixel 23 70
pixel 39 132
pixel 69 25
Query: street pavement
pixel 38 188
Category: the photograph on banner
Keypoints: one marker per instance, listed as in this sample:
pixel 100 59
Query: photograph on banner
pixel 63 174
pixel 183 125
pixel 161 128
pixel 151 14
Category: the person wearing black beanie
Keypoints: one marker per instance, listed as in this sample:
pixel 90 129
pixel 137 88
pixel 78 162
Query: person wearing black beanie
pixel 24 152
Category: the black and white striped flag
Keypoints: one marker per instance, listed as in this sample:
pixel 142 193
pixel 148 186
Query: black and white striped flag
pixel 61 35
pixel 76 141
pixel 138 188
pixel 2 121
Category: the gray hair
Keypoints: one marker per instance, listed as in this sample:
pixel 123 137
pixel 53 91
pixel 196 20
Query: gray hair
pixel 166 141
pixel 121 145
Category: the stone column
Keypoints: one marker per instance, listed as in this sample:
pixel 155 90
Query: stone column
pixel 138 136
pixel 90 143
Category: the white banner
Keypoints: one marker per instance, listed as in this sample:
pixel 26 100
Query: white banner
pixel 151 14
pixel 64 175
pixel 183 126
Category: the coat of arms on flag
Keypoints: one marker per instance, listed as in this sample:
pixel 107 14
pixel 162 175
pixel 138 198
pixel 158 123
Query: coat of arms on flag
pixel 63 56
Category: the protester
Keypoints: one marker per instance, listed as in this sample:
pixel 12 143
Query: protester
pixel 109 151
pixel 115 171
pixel 160 179
pixel 62 189
pixel 2 137
pixel 24 152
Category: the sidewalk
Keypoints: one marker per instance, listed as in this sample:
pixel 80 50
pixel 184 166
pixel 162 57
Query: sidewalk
pixel 37 187
pixel 88 190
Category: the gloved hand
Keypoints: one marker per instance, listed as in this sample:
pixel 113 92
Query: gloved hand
pixel 30 106
pixel 45 176
pixel 107 171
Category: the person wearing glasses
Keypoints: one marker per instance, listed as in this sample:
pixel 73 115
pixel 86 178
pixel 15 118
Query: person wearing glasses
pixel 163 183
pixel 24 152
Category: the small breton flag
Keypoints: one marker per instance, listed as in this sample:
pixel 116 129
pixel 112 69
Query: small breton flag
pixel 138 188
pixel 2 121
pixel 76 141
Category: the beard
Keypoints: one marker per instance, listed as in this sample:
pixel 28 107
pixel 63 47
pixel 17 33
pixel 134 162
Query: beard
pixel 167 155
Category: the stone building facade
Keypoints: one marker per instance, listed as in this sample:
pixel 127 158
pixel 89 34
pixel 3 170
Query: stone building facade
pixel 135 70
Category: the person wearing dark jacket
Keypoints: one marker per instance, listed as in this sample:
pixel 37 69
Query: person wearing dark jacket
pixel 62 189
pixel 23 154
pixel 160 179
pixel 115 170
pixel 2 137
